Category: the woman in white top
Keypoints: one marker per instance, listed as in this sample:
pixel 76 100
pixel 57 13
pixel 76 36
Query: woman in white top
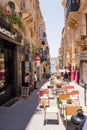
pixel 27 79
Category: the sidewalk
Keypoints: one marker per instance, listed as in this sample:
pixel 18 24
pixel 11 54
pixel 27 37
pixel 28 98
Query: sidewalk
pixel 26 115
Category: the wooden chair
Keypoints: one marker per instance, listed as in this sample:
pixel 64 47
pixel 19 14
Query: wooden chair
pixel 48 110
pixel 69 89
pixel 69 111
pixel 61 98
pixel 44 94
pixel 84 108
pixel 74 95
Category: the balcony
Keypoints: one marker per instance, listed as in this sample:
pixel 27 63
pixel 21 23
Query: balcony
pixel 72 6
pixel 28 18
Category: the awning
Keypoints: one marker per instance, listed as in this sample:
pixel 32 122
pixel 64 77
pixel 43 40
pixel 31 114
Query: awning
pixel 8 39
pixel 64 70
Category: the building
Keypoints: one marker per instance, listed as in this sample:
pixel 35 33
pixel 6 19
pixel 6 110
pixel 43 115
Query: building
pixel 20 45
pixel 73 41
pixel 10 40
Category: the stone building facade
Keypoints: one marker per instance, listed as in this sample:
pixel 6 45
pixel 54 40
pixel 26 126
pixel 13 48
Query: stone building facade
pixel 74 35
pixel 19 48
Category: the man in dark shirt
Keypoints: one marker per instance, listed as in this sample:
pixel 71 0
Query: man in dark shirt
pixel 66 78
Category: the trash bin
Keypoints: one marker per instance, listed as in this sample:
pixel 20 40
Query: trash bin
pixel 78 119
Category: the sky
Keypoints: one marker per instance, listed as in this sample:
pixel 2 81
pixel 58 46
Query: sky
pixel 53 15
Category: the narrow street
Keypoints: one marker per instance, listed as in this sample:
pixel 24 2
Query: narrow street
pixel 42 42
pixel 25 114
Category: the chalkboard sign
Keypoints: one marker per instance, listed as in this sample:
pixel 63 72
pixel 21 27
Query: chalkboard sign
pixel 24 91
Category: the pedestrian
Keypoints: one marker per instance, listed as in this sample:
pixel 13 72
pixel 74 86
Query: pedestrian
pixel 35 80
pixel 27 79
pixel 66 78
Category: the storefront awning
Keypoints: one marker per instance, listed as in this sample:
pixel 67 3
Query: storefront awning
pixel 5 38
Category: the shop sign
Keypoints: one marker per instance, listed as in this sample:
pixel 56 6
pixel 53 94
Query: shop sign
pixel 7 33
pixel 37 58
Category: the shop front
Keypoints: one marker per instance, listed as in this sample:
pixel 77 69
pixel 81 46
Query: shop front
pixel 9 43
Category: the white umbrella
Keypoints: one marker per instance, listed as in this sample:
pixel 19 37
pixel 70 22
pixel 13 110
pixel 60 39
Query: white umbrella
pixel 63 70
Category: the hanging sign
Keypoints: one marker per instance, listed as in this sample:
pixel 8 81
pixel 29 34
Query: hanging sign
pixel 37 57
pixel 7 33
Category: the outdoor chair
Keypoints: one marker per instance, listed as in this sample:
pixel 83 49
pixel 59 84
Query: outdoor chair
pixel 62 97
pixel 44 94
pixel 84 108
pixel 68 112
pixel 69 89
pixel 49 110
pixel 74 95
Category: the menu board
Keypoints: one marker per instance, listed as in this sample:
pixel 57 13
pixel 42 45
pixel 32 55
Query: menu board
pixel 24 91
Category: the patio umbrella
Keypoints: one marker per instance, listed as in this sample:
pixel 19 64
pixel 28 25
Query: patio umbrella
pixel 63 70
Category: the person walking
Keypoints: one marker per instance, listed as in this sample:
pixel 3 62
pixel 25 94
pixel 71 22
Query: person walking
pixel 35 80
pixel 27 79
pixel 66 78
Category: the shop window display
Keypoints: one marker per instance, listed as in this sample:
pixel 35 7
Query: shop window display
pixel 2 70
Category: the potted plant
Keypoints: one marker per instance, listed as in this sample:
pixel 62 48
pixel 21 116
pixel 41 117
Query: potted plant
pixel 14 18
pixel 11 17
